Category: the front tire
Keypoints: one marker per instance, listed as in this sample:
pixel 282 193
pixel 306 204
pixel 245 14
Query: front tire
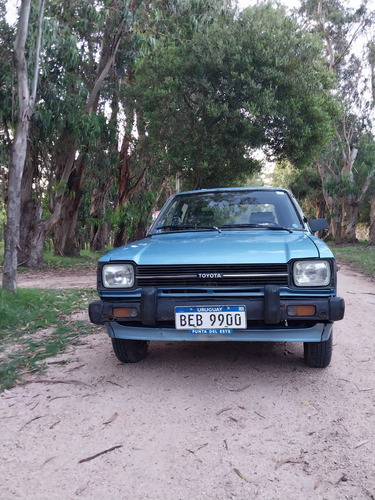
pixel 318 354
pixel 130 351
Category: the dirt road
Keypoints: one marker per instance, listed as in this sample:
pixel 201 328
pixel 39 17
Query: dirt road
pixel 194 422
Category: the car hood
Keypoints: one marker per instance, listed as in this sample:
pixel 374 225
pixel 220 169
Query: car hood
pixel 227 247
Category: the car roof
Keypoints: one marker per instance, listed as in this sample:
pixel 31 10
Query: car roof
pixel 224 189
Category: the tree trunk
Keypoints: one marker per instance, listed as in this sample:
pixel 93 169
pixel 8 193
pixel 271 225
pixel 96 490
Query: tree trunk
pixel 372 221
pixel 65 239
pixel 68 155
pixel 351 208
pixel 331 202
pixel 125 187
pixel 100 230
pixel 30 253
pixel 141 231
pixel 19 150
pixel 120 236
pixel 18 153
pixel 350 217
pixel 30 210
pixel 320 209
pixel 100 238
pixel 14 207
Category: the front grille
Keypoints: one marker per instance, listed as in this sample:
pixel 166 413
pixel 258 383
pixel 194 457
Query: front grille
pixel 213 275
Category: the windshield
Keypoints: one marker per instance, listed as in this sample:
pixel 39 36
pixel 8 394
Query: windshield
pixel 232 209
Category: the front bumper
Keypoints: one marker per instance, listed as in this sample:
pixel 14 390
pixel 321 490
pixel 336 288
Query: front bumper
pixel 314 333
pixel 269 316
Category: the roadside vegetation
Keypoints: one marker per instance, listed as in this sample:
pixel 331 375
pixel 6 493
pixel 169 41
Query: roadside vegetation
pixel 37 324
pixel 360 255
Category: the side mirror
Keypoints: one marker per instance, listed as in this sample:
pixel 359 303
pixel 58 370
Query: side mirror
pixel 318 225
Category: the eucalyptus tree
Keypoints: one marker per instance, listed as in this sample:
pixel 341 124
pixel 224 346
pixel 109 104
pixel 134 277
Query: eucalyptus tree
pixel 344 181
pixel 94 130
pixel 371 60
pixel 89 48
pixel 81 40
pixel 140 177
pixel 372 220
pixel 365 164
pixel 306 185
pixel 6 110
pixel 26 95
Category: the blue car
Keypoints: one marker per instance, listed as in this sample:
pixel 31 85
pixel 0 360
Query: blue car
pixel 233 264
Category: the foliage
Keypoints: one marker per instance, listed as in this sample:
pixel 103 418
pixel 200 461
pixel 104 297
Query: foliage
pixel 6 111
pixel 305 184
pixel 345 179
pixel 136 210
pixel 254 81
pixel 365 168
pixel 193 90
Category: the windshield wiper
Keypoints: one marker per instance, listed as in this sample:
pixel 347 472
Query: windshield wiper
pixel 266 225
pixel 188 228
pixel 239 226
pixel 277 227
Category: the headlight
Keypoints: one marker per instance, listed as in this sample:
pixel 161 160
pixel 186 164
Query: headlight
pixel 118 275
pixel 312 273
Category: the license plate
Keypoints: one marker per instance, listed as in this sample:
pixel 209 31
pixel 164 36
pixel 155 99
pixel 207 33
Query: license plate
pixel 210 319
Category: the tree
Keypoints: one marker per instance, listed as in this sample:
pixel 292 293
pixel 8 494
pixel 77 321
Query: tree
pixel 68 123
pixel 26 102
pixel 6 110
pixel 256 81
pixel 371 60
pixel 344 185
pixel 306 185
pixel 366 169
pixel 140 176
pixel 201 86
pixel 72 123
pixel 65 241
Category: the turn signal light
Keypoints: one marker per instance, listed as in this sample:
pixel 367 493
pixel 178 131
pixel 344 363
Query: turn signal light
pixel 301 310
pixel 125 312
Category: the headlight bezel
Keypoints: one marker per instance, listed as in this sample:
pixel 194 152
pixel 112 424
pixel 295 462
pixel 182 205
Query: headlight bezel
pixel 123 275
pixel 303 277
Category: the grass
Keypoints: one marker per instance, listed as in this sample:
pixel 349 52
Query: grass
pixel 361 255
pixel 32 309
pixel 24 318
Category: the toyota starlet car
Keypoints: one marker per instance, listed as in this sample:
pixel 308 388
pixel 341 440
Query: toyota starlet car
pixel 234 264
